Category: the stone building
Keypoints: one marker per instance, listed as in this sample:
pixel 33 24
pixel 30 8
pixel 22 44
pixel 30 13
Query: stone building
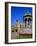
pixel 27 24
pixel 27 19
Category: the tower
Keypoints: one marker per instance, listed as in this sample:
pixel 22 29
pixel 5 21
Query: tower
pixel 27 19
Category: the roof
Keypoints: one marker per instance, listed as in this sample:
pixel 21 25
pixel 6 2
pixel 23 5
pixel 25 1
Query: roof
pixel 27 16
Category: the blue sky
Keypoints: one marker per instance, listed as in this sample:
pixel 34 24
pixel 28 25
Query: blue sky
pixel 18 12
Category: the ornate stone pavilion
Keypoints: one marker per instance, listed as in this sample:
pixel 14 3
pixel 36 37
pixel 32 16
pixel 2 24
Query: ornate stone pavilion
pixel 22 29
pixel 26 26
pixel 27 19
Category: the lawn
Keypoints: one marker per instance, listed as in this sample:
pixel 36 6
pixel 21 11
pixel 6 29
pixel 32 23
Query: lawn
pixel 15 35
pixel 25 36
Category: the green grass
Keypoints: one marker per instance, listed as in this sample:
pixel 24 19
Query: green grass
pixel 26 36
